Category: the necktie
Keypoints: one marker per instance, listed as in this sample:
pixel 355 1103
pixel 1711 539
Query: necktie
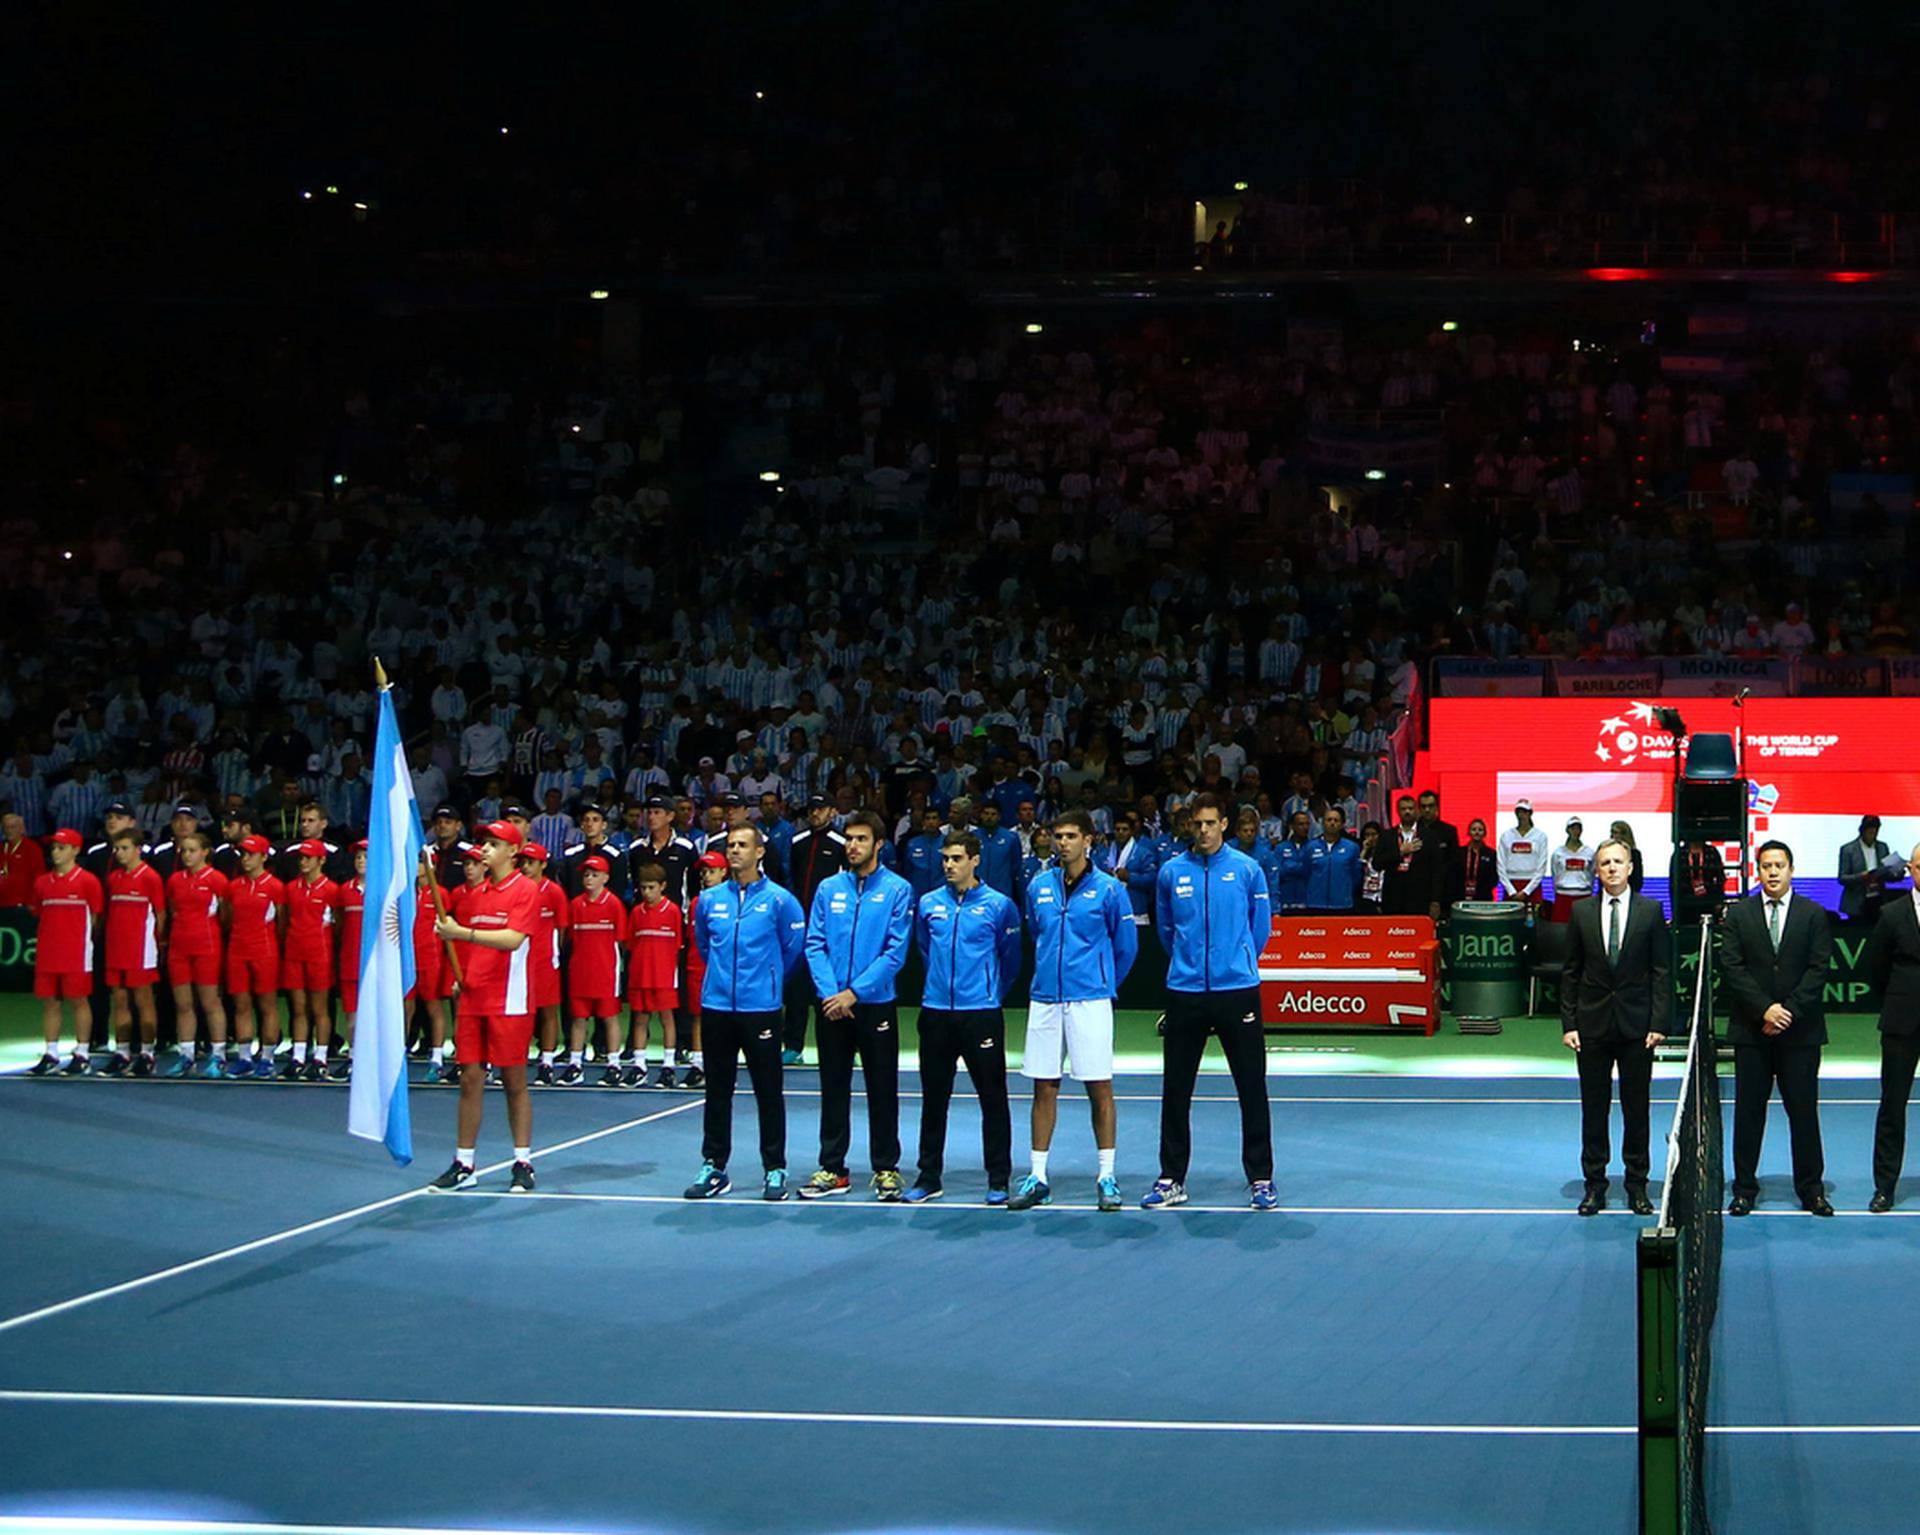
pixel 1613 929
pixel 1773 923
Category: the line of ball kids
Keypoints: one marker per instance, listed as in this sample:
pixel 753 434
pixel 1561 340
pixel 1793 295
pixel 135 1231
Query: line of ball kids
pixel 230 947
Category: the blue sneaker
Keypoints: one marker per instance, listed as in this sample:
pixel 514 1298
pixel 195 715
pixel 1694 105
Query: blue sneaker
pixel 920 1193
pixel 240 1066
pixel 1030 1193
pixel 775 1187
pixel 711 1184
pixel 1106 1194
pixel 178 1066
pixel 1262 1197
pixel 1164 1195
pixel 997 1199
pixel 789 1057
pixel 213 1068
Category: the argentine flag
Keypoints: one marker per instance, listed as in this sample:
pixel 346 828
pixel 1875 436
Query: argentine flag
pixel 377 1107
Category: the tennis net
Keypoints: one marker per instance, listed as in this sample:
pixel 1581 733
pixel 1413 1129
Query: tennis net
pixel 1678 1266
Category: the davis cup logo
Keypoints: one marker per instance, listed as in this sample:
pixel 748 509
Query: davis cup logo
pixel 1623 740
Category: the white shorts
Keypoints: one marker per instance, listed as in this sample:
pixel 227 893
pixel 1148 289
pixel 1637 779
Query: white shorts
pixel 1082 1031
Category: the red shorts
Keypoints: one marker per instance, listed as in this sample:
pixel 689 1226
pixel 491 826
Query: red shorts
pixel 546 986
pixel 193 969
pixel 593 1007
pixel 653 999
pixel 117 977
pixel 349 995
pixel 63 983
pixel 253 974
pixel 306 975
pixel 433 983
pixel 496 1041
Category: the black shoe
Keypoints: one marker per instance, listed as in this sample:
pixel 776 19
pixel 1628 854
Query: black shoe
pixel 635 1075
pixel 457 1176
pixel 46 1066
pixel 522 1178
pixel 543 1076
pixel 682 1057
pixel 290 1070
pixel 143 1065
pixel 117 1065
pixel 1594 1203
pixel 340 1068
pixel 1880 1203
pixel 446 1074
pixel 569 1075
pixel 1638 1202
pixel 665 1079
pixel 313 1071
pixel 1742 1205
pixel 76 1066
pixel 694 1080
pixel 611 1076
pixel 1818 1205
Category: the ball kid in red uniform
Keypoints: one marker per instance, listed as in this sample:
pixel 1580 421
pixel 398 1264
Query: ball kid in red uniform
pixel 256 918
pixel 67 902
pixel 596 944
pixel 136 927
pixel 196 895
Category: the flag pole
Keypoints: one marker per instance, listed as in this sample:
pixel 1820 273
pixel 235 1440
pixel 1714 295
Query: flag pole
pixel 426 865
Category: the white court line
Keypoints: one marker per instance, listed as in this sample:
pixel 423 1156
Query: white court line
pixel 753 1202
pixel 291 1232
pixel 27 1398
pixel 768 1415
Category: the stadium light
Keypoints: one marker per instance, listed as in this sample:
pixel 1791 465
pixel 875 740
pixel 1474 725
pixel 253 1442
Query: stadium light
pixel 770 475
pixel 1449 325
pixel 599 293
pixel 333 191
pixel 306 197
pixel 503 133
pixel 361 206
pixel 759 95
pixel 1239 186
pixel 1469 218
pixel 66 554
pixel 339 479
pixel 1376 474
pixel 1034 327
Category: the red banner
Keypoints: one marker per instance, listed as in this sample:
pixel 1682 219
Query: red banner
pixel 1372 972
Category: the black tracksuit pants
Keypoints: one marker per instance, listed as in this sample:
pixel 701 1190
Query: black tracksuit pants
pixel 1235 1017
pixel 724 1038
pixel 873 1033
pixel 979 1037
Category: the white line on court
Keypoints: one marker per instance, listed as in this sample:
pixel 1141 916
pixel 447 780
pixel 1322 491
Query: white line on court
pixel 291 1232
pixel 768 1415
pixel 1055 1208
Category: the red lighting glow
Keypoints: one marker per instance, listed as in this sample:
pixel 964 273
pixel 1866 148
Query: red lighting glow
pixel 1854 276
pixel 1619 273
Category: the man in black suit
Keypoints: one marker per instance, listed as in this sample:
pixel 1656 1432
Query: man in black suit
pixel 1616 1004
pixel 1893 959
pixel 1446 836
pixel 1415 866
pixel 1775 948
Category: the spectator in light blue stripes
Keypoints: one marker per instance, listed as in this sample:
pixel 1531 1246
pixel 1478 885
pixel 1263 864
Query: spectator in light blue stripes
pixel 79 801
pixel 24 791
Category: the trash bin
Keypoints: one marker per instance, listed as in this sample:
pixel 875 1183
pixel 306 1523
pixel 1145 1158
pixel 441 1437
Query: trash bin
pixel 1486 949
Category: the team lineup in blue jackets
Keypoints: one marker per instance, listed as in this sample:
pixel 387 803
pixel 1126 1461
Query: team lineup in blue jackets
pixel 1213 906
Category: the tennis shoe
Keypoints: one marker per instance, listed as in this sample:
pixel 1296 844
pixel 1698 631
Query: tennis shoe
pixel 290 1069
pixel 76 1066
pixel 313 1071
pixel 457 1176
pixel 635 1074
pixel 212 1069
pixel 1261 1195
pixel 46 1066
pixel 570 1074
pixel 1106 1194
pixel 823 1185
pixel 694 1080
pixel 143 1065
pixel 611 1076
pixel 789 1057
pixel 774 1188
pixel 1164 1195
pixel 888 1186
pixel 117 1064
pixel 920 1193
pixel 996 1199
pixel 239 1066
pixel 340 1068
pixel 711 1184
pixel 1031 1192
pixel 543 1076
pixel 665 1080
pixel 522 1178
pixel 178 1066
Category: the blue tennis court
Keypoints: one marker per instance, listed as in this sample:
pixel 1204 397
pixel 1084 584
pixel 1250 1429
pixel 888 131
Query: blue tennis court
pixel 219 1308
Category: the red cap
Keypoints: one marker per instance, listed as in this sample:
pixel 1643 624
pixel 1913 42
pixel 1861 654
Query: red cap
pixel 713 860
pixel 475 853
pixel 313 847
pixel 534 850
pixel 255 844
pixel 502 831
pixel 360 846
pixel 595 861
pixel 67 836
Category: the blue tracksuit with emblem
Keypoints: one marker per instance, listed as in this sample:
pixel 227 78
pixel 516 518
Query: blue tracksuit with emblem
pixel 1000 855
pixel 971 944
pixel 1138 876
pixel 1215 915
pixel 750 937
pixel 1084 940
pixel 858 932
pixel 1333 878
pixel 1294 861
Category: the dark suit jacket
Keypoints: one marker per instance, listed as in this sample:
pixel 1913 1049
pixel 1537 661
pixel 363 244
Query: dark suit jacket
pixel 1480 888
pixel 1893 959
pixel 1853 876
pixel 1449 873
pixel 1756 977
pixel 1412 892
pixel 1634 996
